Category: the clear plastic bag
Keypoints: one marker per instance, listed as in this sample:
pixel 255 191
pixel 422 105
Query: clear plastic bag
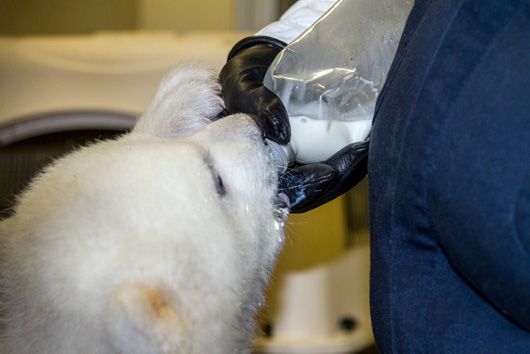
pixel 329 77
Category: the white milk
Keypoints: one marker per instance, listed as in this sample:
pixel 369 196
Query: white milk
pixel 323 118
pixel 315 140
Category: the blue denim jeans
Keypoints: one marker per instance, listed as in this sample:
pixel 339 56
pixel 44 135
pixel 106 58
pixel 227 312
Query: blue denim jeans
pixel 449 179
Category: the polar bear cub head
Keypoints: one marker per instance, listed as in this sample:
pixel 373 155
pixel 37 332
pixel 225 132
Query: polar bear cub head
pixel 158 242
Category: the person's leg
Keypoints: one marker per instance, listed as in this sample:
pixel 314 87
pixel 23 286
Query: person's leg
pixel 449 177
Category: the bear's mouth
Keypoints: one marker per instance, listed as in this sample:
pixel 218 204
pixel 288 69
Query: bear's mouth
pixel 282 207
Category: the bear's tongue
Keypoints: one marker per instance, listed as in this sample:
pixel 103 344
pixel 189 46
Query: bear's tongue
pixel 283 201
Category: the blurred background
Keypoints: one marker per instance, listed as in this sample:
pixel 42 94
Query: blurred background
pixel 23 17
pixel 72 71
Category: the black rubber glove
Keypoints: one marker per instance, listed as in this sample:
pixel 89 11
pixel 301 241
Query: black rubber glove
pixel 309 186
pixel 242 87
pixel 306 186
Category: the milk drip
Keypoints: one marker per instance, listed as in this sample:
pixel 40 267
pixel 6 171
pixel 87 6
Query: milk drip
pixel 329 77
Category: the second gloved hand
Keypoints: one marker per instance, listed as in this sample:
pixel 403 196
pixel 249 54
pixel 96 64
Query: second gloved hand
pixel 309 186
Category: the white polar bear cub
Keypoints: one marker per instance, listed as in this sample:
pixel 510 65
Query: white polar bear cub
pixel 158 242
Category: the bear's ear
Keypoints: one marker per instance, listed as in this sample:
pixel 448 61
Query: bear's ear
pixel 186 101
pixel 141 320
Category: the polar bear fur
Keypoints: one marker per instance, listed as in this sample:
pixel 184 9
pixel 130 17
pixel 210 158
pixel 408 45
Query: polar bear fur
pixel 160 241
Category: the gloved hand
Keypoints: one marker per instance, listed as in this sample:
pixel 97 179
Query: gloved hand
pixel 306 186
pixel 242 87
pixel 309 186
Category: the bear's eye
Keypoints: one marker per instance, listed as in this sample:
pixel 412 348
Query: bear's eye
pixel 217 180
pixel 219 185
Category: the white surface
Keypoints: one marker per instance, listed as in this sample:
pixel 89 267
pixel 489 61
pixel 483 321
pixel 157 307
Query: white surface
pixel 106 72
pixel 21 129
pixel 313 301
